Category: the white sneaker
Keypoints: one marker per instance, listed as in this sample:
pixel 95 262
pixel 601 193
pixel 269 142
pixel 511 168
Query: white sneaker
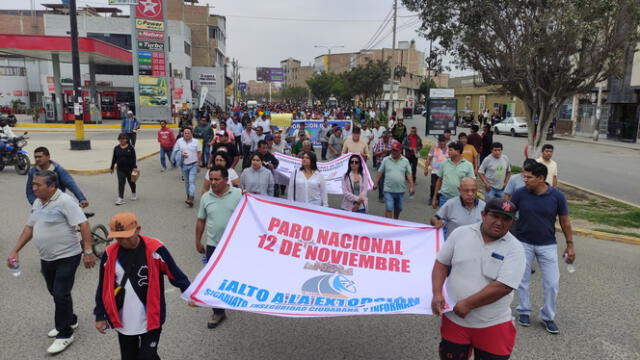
pixel 59 345
pixel 134 197
pixel 54 332
pixel 120 201
pixel 163 169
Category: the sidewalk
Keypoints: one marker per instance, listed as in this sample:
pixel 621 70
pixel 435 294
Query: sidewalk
pixel 601 141
pixel 94 161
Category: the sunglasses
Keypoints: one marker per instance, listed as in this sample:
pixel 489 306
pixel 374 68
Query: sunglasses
pixel 354 162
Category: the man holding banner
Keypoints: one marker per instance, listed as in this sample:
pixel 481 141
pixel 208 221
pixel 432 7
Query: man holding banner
pixel 489 265
pixel 216 207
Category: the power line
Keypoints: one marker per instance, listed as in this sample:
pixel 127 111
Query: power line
pixel 379 31
pixel 310 19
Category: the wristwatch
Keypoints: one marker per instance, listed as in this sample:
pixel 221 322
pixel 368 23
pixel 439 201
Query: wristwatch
pixel 88 252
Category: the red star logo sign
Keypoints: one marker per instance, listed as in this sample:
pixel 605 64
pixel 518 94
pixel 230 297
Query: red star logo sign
pixel 149 9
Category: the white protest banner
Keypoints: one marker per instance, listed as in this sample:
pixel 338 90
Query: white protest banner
pixel 333 171
pixel 284 258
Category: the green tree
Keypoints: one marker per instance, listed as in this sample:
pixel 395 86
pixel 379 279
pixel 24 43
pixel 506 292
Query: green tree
pixel 294 94
pixel 320 85
pixel 425 85
pixel 342 89
pixel 367 81
pixel 542 51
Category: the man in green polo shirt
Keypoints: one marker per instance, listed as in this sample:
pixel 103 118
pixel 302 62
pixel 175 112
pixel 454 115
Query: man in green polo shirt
pixel 216 207
pixel 450 173
pixel 396 170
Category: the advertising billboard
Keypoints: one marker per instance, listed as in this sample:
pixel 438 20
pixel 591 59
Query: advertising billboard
pixel 442 116
pixel 270 74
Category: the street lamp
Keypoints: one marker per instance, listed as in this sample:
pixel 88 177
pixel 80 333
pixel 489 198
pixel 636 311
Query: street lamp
pixel 328 52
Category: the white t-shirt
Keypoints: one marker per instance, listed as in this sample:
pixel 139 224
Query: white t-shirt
pixel 552 169
pixel 366 135
pixel 133 314
pixel 377 133
pixel 232 175
pixel 475 264
pixel 191 148
pixel 54 226
pixel 265 124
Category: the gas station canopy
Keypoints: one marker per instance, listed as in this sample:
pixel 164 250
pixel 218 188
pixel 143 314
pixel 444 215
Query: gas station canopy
pixel 44 46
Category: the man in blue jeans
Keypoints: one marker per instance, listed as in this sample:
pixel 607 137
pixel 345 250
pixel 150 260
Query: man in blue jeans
pixel 495 172
pixel 539 204
pixel 396 170
pixel 189 148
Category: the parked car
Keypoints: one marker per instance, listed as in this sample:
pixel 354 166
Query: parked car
pixel 514 125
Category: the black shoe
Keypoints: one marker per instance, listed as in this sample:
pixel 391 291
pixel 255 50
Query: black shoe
pixel 215 320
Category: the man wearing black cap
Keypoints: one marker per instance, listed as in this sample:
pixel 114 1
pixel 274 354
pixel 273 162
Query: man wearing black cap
pixel 489 265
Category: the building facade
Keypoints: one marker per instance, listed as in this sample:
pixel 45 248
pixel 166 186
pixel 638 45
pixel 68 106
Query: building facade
pixel 196 44
pixel 295 74
pixel 405 57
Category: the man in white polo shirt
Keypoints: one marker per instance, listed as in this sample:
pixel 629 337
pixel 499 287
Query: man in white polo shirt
pixel 190 150
pixel 482 263
pixel 52 226
pixel 465 209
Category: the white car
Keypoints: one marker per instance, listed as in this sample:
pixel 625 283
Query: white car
pixel 513 125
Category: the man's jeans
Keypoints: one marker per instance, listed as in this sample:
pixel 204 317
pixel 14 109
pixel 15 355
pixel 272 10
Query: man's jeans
pixel 493 193
pixel 381 188
pixel 164 153
pixel 442 200
pixel 190 172
pixel 206 152
pixel 59 276
pixel 323 153
pixel 413 161
pixel 547 256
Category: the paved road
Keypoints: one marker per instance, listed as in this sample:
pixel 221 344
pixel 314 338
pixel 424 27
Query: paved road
pixel 602 168
pixel 597 304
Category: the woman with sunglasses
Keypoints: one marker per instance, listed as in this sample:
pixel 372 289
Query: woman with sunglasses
pixel 355 187
pixel 307 183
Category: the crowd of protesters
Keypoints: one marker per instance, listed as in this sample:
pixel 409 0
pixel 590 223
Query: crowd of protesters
pixel 244 139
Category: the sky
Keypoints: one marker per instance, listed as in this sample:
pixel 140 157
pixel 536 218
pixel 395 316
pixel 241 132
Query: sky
pixel 262 33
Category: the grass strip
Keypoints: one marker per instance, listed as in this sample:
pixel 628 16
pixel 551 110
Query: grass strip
pixel 611 213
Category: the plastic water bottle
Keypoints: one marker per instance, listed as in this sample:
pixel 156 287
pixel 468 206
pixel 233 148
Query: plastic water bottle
pixel 570 268
pixel 15 268
pixel 204 259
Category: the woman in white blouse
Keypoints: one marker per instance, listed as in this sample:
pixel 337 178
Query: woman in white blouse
pixel 307 184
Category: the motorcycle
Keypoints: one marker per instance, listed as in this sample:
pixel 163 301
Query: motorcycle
pixel 14 155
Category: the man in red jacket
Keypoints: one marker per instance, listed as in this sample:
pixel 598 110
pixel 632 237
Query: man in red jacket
pixel 167 139
pixel 130 294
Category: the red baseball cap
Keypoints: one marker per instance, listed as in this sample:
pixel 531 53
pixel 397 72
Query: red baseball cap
pixel 396 146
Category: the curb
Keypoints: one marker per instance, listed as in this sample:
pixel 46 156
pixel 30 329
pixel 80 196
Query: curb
pixel 104 171
pixel 585 232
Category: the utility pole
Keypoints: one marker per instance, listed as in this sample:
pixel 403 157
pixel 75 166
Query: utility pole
pixel 79 143
pixel 393 59
pixel 428 98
